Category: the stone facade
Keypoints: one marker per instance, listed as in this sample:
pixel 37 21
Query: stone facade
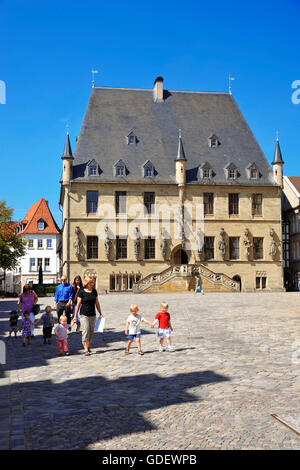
pixel 230 237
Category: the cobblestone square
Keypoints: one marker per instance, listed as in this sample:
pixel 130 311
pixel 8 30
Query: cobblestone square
pixel 236 362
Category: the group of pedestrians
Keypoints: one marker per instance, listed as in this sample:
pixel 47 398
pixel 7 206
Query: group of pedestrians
pixel 76 305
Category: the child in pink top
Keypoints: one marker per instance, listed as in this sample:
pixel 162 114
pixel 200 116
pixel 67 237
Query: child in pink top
pixel 61 332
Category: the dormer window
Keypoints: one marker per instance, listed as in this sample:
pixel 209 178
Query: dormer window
pixel 92 168
pixel 213 141
pixel 120 168
pixel 231 171
pixel 148 170
pixel 41 224
pixel 205 171
pixel 132 139
pixel 120 171
pixel 252 171
pixel 93 171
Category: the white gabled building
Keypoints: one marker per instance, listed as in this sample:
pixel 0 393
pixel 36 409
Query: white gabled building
pixel 44 242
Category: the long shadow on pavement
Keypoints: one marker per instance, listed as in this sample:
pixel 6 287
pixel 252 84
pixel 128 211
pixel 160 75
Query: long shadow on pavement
pixel 80 412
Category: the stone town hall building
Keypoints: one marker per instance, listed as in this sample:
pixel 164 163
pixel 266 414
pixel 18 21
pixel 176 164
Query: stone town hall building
pixel 165 184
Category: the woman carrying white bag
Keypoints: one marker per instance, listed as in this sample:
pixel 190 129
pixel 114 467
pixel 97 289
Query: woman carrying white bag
pixel 87 300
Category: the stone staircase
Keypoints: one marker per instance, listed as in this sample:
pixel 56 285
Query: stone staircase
pixel 185 271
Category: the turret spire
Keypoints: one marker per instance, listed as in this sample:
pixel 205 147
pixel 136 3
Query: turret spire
pixel 277 154
pixel 180 151
pixel 67 150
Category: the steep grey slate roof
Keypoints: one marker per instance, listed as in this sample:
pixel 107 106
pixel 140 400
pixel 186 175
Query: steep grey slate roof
pixel 113 113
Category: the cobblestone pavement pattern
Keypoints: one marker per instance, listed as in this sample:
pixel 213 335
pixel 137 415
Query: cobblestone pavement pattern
pixel 235 362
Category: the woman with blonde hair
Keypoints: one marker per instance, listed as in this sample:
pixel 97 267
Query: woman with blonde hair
pixel 87 302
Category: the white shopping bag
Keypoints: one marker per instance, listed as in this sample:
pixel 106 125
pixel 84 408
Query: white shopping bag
pixel 100 325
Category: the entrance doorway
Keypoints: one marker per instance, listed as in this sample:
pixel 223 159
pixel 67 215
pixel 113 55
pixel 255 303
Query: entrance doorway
pixel 238 279
pixel 180 257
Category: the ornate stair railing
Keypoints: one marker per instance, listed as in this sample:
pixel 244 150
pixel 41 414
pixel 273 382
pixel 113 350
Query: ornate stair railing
pixel 185 270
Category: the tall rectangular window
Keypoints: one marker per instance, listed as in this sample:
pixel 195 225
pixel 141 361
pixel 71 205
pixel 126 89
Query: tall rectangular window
pixel 208 199
pixel 92 247
pixel 233 204
pixel 47 264
pixel 32 264
pixel 30 243
pixel 149 248
pixel 40 262
pixel 256 204
pixel 49 243
pixel 40 244
pixel 209 252
pixel 258 248
pixel 121 248
pixel 149 202
pixel 234 247
pixel 91 202
pixel 120 202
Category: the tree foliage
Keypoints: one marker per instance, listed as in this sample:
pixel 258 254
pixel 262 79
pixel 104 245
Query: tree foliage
pixel 12 246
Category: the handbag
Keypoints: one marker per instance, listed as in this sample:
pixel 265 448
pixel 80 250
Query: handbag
pixel 36 309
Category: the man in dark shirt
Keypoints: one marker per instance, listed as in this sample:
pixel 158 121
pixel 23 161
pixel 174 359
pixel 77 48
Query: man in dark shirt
pixel 63 298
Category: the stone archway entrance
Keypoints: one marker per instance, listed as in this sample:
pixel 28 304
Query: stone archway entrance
pixel 238 279
pixel 179 256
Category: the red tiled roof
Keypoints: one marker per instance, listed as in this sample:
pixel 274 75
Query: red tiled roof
pixel 295 180
pixel 8 228
pixel 40 210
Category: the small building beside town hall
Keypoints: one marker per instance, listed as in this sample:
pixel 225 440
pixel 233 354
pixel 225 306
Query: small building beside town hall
pixel 164 185
pixel 43 250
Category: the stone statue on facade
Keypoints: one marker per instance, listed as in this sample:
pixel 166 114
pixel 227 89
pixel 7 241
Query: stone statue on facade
pixel 222 244
pixel 247 243
pixel 107 242
pixel 273 244
pixel 200 243
pixel 137 242
pixel 77 243
pixel 163 246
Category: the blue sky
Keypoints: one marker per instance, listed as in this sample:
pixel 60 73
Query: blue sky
pixel 49 47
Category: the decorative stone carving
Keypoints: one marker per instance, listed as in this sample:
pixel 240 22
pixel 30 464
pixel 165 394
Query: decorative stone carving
pixel 78 243
pixel 107 243
pixel 200 243
pixel 137 243
pixel 247 243
pixel 222 244
pixel 163 245
pixel 273 244
pixel 90 273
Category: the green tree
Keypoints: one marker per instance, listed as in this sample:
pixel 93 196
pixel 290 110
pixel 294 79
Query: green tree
pixel 12 246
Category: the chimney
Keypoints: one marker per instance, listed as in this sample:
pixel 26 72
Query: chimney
pixel 158 90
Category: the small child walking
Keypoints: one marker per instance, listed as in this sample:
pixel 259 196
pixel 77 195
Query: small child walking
pixel 13 323
pixel 26 328
pixel 61 332
pixel 133 328
pixel 163 318
pixel 48 324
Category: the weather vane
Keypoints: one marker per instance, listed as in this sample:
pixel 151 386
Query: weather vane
pixel 230 79
pixel 93 74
